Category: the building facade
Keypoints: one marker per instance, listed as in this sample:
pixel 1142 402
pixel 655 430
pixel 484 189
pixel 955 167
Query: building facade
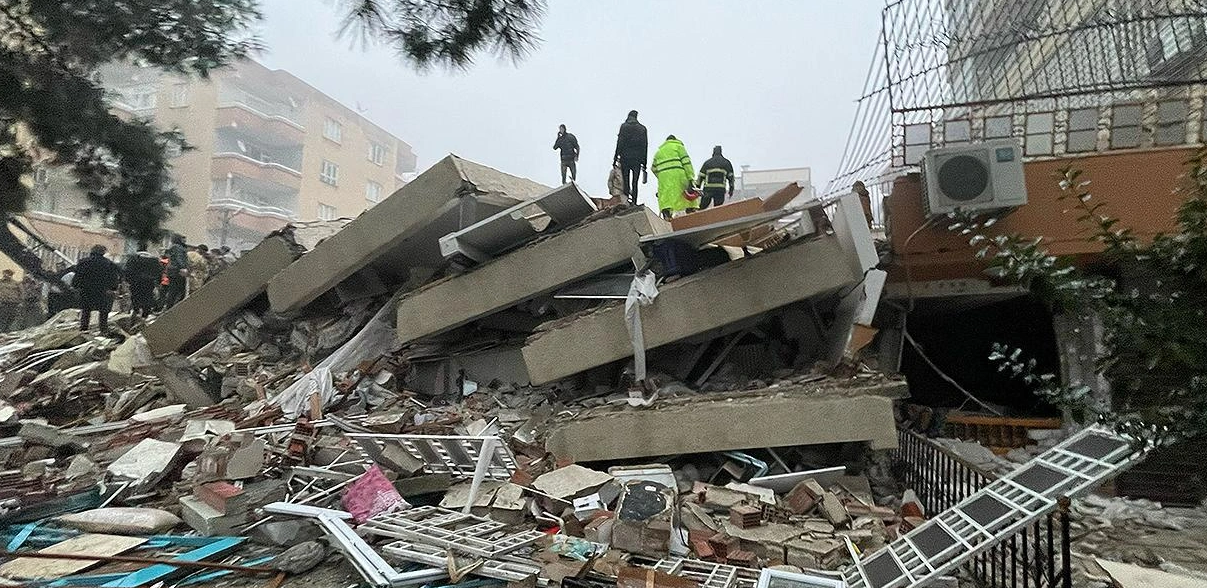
pixel 267 149
pixel 761 183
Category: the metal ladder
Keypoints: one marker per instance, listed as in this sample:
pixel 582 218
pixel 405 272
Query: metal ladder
pixel 995 512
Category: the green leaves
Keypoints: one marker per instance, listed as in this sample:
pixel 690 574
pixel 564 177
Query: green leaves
pixel 1152 311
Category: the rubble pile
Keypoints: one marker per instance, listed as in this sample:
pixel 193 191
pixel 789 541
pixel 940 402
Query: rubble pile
pixel 391 396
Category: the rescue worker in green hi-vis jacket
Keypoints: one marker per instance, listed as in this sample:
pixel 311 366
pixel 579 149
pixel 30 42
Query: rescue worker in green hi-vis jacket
pixel 673 168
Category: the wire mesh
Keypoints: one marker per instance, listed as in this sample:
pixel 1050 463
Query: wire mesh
pixel 1061 76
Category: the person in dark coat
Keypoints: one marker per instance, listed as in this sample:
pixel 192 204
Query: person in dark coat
pixel 96 279
pixel 567 143
pixel 142 273
pixel 178 272
pixel 714 175
pixel 632 150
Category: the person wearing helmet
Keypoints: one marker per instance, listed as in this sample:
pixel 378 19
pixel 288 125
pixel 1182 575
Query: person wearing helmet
pixel 714 174
pixel 673 168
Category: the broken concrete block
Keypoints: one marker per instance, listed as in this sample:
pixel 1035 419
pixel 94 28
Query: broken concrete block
pixel 766 540
pixel 132 354
pixel 39 434
pixel 247 461
pixel 121 521
pixel 833 510
pixel 285 532
pixel 796 554
pixel 206 520
pixel 180 380
pixel 571 481
pixel 800 500
pixel 145 463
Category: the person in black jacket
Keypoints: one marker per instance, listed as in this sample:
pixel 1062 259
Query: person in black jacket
pixel 143 272
pixel 96 279
pixel 714 174
pixel 568 144
pixel 632 148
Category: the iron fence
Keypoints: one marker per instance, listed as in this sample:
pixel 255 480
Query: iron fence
pixel 1035 557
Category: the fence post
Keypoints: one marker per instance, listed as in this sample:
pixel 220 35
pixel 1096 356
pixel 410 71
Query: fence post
pixel 1066 572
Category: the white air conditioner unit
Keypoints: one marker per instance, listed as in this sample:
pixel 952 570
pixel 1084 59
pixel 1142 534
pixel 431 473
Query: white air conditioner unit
pixel 974 177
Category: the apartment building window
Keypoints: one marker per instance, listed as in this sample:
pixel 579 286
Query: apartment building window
pixel 998 127
pixel 377 152
pixel 330 173
pixel 326 212
pixel 917 142
pixel 1171 122
pixel 41 176
pixel 332 129
pixel 139 99
pixel 180 95
pixel 957 131
pixel 1125 126
pixel 1039 133
pixel 373 192
pixel 1083 130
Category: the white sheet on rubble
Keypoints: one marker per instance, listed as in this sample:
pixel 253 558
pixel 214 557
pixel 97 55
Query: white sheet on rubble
pixel 376 337
pixel 642 292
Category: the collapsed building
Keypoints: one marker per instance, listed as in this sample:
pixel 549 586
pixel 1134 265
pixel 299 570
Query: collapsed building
pixel 486 376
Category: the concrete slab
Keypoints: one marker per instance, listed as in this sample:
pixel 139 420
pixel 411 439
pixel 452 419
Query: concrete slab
pixel 402 232
pixel 778 417
pixel 525 273
pixel 745 288
pixel 559 208
pixel 230 291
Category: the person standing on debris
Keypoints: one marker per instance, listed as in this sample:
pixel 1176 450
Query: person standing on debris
pixel 177 272
pixel 10 300
pixel 714 174
pixel 673 168
pixel 31 302
pixel 199 267
pixel 632 147
pixel 567 143
pixel 143 272
pixel 96 279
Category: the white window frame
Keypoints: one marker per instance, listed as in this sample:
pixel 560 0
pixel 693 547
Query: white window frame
pixel 329 173
pixel 327 212
pixel 1039 133
pixel 41 176
pixel 1120 140
pixel 180 95
pixel 1171 127
pixel 377 152
pixel 333 130
pixel 373 191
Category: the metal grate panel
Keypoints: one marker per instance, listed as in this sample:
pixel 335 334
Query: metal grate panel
pixel 995 512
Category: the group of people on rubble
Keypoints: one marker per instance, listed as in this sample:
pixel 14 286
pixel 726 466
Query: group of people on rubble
pixel 680 189
pixel 154 284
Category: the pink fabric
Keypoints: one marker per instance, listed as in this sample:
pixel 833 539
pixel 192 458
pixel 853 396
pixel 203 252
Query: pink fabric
pixel 372 495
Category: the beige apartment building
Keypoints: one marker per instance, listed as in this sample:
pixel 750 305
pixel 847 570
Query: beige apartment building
pixel 268 149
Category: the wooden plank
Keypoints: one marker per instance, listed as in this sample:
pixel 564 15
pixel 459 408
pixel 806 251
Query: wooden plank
pixel 24 568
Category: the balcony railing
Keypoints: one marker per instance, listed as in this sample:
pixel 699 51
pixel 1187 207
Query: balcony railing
pixel 257 209
pixel 259 106
pixel 1037 556
pixel 259 161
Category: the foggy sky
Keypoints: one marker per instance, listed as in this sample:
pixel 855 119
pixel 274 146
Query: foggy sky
pixel 773 81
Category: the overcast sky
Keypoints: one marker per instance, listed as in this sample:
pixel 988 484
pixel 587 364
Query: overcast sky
pixel 773 81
